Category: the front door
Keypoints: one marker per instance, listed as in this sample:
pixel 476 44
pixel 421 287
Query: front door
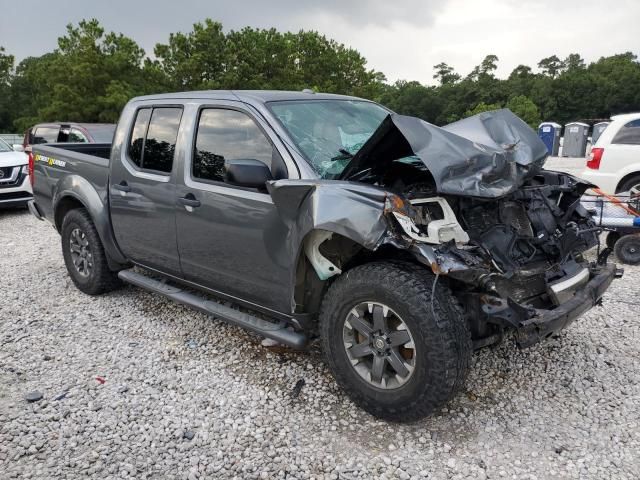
pixel 228 236
pixel 143 190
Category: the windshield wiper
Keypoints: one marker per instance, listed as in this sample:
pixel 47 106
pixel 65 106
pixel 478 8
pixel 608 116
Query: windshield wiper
pixel 345 152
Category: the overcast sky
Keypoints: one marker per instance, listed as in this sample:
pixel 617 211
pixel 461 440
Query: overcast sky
pixel 403 39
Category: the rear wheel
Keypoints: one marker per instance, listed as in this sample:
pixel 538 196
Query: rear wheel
pixel 84 255
pixel 631 185
pixel 396 351
pixel 627 249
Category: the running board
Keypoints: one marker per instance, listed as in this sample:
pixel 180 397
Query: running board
pixel 276 331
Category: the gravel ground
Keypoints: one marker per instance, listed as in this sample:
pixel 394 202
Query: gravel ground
pixel 137 387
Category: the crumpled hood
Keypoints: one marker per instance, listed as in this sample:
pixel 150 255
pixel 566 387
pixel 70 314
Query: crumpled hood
pixel 487 155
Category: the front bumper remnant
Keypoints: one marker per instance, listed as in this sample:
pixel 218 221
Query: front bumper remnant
pixel 533 325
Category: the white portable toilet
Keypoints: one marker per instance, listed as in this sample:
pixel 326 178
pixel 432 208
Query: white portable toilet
pixel 575 139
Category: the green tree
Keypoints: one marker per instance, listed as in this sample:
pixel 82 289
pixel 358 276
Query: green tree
pixel 89 77
pixel 524 108
pixel 253 58
pixel 482 107
pixel 6 68
pixel 445 74
pixel 574 62
pixel 551 66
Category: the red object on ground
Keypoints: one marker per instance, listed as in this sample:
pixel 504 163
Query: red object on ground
pixel 101 380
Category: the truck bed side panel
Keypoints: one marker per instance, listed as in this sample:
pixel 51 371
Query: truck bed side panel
pixel 64 171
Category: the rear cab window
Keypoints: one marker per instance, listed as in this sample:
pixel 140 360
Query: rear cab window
pixel 153 138
pixel 629 134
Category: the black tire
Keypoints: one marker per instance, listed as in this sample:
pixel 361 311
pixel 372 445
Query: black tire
pixel 627 249
pixel 628 184
pixel 612 239
pixel 97 277
pixel 442 343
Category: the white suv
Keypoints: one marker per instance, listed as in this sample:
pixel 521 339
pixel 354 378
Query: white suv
pixel 614 161
pixel 15 185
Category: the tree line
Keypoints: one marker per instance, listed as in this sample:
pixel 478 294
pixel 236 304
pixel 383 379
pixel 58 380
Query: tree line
pixel 92 74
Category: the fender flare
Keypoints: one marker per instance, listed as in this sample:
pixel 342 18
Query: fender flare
pixel 81 190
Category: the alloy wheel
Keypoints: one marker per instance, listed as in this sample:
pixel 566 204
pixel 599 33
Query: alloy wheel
pixel 379 345
pixel 81 255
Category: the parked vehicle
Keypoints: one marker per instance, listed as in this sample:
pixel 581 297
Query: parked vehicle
pixel 68 133
pixel 614 161
pixel 15 185
pixel 402 245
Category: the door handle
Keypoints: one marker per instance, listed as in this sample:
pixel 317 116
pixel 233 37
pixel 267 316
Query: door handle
pixel 189 200
pixel 122 186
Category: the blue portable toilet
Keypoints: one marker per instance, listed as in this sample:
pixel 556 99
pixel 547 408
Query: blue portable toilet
pixel 549 133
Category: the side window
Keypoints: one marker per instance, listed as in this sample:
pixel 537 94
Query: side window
pixel 153 138
pixel 45 135
pixel 137 135
pixel 629 134
pixel 160 144
pixel 76 136
pixel 227 135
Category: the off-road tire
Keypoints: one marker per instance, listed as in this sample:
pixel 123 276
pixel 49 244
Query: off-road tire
pixel 100 279
pixel 627 249
pixel 443 343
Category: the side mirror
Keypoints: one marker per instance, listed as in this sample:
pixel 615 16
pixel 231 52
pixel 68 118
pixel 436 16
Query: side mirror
pixel 17 148
pixel 247 172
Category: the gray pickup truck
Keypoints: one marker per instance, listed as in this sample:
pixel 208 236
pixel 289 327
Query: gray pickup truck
pixel 401 245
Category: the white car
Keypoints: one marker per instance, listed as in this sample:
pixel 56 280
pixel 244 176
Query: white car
pixel 15 184
pixel 614 161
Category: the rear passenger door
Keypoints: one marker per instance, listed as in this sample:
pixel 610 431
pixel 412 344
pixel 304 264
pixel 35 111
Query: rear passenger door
pixel 142 189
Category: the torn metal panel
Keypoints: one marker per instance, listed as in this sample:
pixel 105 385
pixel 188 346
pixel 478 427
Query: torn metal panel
pixel 359 212
pixel 488 155
pixel 355 211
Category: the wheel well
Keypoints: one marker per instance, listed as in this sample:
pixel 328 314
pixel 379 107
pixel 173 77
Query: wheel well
pixel 625 178
pixel 65 205
pixel 345 254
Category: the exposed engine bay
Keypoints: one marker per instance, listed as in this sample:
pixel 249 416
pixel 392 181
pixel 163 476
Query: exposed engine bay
pixel 523 250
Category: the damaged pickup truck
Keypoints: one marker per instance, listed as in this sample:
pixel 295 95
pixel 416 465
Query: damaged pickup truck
pixel 402 245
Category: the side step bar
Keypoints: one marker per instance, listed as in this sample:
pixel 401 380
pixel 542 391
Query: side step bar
pixel 276 331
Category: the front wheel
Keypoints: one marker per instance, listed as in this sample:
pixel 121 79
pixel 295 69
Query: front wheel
pixel 398 352
pixel 84 255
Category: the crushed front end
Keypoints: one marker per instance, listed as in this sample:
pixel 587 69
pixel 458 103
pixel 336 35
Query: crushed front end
pixel 509 235
pixel 522 267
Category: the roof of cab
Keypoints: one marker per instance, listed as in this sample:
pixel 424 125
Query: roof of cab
pixel 249 96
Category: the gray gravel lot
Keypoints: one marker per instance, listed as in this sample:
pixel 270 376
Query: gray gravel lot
pixel 186 396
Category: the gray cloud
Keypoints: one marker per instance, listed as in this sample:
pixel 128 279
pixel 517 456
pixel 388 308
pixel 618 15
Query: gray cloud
pixel 403 39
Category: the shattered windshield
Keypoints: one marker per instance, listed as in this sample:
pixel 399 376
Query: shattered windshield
pixel 329 132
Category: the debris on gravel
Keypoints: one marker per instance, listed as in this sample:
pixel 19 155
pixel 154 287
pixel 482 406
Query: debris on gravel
pixel 33 396
pixel 566 408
